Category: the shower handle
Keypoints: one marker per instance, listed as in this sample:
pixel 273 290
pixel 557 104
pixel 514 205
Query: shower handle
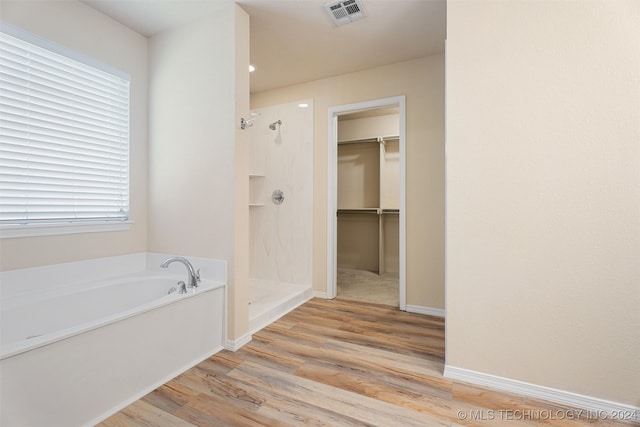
pixel 277 197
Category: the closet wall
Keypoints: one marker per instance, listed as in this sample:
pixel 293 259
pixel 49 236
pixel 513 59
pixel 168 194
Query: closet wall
pixel 368 193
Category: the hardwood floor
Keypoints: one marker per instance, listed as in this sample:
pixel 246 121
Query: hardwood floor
pixel 337 363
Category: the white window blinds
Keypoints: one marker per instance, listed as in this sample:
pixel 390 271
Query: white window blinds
pixel 64 138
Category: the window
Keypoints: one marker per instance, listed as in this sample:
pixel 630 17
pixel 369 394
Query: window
pixel 64 136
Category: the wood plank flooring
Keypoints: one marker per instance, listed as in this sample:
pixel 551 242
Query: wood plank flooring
pixel 338 363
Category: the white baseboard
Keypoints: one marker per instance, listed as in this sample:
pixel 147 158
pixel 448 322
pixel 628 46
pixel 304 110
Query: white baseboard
pixel 598 408
pixel 235 345
pixel 438 312
pixel 318 294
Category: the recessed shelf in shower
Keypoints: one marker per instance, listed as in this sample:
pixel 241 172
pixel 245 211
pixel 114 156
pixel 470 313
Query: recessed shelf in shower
pixel 256 190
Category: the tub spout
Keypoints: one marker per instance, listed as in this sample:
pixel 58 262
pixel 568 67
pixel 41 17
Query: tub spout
pixel 194 276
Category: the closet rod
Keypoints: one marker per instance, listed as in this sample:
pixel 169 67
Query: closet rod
pixel 358 141
pixel 368 140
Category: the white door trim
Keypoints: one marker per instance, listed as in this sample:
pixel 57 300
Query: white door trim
pixel 332 192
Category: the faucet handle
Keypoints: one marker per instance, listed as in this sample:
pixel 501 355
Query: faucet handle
pixel 198 276
pixel 182 288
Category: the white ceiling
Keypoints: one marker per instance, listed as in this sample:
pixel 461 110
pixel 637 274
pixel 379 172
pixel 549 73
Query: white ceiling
pixel 294 41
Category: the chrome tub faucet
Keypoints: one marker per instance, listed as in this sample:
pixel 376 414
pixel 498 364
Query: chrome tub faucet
pixel 194 276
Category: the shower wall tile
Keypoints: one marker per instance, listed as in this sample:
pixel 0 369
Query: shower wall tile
pixel 281 235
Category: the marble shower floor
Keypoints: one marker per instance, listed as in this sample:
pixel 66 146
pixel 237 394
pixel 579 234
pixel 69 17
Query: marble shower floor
pixel 361 285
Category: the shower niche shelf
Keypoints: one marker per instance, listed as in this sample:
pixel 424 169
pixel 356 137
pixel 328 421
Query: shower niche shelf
pixel 256 190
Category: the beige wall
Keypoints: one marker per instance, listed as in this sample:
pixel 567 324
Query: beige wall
pixel 422 81
pixel 198 162
pixel 238 291
pixel 357 245
pixel 543 193
pixel 359 176
pixel 368 174
pixel 191 131
pixel 80 28
pixel 368 127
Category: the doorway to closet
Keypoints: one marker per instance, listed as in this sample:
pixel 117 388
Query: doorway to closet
pixel 366 223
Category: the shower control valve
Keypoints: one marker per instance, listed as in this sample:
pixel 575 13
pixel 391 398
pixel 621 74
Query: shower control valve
pixel 277 197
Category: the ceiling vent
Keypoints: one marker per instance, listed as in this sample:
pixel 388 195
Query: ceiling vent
pixel 343 12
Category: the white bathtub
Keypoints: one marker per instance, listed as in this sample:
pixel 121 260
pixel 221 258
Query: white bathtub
pixel 73 355
pixel 32 321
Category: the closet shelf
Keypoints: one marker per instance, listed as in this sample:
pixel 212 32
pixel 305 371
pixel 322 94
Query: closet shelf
pixel 374 211
pixel 368 140
pixel 359 211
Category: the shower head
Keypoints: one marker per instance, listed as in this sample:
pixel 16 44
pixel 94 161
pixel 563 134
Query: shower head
pixel 273 125
pixel 247 123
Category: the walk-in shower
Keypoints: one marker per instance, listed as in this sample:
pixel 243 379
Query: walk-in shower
pixel 273 125
pixel 280 212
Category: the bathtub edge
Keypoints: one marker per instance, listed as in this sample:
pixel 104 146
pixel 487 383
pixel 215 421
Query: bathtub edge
pixel 11 350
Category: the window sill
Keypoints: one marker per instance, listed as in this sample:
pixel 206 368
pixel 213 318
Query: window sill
pixel 37 230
